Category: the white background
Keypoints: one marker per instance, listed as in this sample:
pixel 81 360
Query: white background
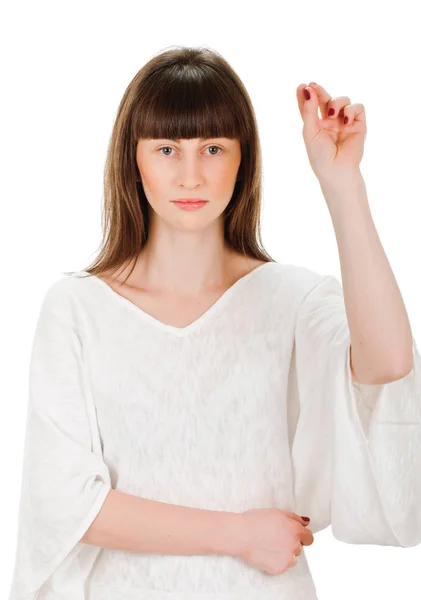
pixel 65 67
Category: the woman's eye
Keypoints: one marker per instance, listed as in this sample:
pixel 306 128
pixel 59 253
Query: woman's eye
pixel 169 148
pixel 165 148
pixel 217 147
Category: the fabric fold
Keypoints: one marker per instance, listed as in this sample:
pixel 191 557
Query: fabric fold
pixel 355 448
pixel 64 480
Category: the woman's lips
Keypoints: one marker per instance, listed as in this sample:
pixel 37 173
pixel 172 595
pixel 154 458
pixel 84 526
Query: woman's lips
pixel 190 205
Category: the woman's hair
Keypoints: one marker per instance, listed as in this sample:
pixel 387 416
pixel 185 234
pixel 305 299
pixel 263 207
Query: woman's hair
pixel 181 93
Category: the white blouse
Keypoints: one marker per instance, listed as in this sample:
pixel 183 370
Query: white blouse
pixel 252 405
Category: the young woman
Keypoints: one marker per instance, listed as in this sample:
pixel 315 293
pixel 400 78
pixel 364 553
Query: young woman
pixel 192 399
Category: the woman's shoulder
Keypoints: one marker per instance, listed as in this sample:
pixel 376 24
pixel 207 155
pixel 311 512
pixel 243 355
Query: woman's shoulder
pixel 61 297
pixel 296 277
pixel 289 283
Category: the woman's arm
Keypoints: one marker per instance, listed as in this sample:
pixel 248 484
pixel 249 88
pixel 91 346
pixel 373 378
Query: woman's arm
pixel 127 522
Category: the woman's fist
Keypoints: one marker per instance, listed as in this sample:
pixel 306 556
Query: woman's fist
pixel 273 539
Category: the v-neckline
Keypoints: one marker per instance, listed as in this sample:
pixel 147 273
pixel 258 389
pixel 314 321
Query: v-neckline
pixel 190 327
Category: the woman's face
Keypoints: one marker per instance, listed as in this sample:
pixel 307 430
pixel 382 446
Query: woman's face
pixel 193 168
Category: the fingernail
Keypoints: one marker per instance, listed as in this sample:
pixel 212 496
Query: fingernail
pixel 305 518
pixel 306 94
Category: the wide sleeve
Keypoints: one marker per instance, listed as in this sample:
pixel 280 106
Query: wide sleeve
pixel 355 448
pixel 64 479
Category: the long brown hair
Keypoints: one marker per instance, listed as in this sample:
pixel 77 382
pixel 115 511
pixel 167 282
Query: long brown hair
pixel 180 93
